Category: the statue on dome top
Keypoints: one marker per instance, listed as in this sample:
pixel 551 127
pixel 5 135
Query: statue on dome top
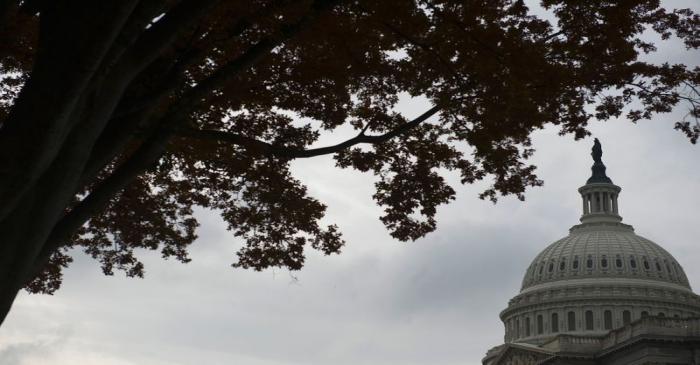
pixel 597 151
pixel 598 167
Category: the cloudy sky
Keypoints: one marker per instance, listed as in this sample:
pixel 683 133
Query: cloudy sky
pixel 382 302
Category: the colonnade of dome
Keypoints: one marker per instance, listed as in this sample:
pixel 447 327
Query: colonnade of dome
pixel 593 314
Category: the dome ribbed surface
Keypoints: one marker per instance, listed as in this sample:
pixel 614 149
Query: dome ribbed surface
pixel 604 252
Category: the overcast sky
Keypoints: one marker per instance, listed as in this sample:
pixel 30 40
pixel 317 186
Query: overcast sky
pixel 381 302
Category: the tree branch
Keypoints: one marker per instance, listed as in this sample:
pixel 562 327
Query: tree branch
pixel 142 15
pixel 149 152
pixel 7 8
pixel 145 156
pixel 675 95
pixel 263 148
pixel 422 45
pixel 254 54
pixel 21 165
pixel 162 34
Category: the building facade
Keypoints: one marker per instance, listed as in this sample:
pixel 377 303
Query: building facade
pixel 601 295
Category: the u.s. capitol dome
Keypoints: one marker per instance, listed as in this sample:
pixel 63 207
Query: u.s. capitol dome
pixel 582 290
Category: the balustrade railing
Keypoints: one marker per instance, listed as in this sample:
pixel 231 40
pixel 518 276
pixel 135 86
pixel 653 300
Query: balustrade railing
pixel 681 327
pixel 653 325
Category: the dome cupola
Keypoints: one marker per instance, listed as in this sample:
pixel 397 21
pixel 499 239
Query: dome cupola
pixel 599 195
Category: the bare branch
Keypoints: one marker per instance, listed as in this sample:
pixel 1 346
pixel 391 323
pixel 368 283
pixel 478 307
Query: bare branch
pixel 261 147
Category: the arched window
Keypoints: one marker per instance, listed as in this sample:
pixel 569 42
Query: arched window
pixel 633 262
pixel 604 262
pixel 571 321
pixel 562 264
pixel 645 314
pixel 551 266
pixel 618 262
pixel 589 262
pixel 646 263
pixel 575 263
pixel 517 328
pixel 658 267
pixel 607 320
pixel 527 327
pixel 541 268
pixel 589 320
pixel 555 322
pixel 626 317
pixel 540 324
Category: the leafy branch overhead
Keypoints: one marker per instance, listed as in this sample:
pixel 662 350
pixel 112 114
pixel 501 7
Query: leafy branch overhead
pixel 118 118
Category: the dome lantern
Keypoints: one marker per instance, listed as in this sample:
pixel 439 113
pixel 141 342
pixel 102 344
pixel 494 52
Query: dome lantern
pixel 599 195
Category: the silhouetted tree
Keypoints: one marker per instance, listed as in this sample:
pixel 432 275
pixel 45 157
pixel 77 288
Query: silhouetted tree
pixel 120 116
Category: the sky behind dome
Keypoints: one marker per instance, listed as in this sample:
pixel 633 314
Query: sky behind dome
pixel 381 302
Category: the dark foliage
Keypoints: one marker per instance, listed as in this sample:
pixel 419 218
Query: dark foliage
pixel 119 117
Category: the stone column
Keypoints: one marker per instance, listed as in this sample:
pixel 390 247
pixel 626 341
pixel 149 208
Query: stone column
pixel 605 202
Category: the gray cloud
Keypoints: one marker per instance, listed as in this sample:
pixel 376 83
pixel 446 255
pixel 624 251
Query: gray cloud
pixel 16 354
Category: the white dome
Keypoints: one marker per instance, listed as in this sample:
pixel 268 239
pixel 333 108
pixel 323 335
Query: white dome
pixel 600 277
pixel 610 251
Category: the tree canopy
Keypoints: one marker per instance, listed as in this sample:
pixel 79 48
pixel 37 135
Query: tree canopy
pixel 118 117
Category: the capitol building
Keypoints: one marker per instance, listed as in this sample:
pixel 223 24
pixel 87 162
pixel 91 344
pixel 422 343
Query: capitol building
pixel 602 295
